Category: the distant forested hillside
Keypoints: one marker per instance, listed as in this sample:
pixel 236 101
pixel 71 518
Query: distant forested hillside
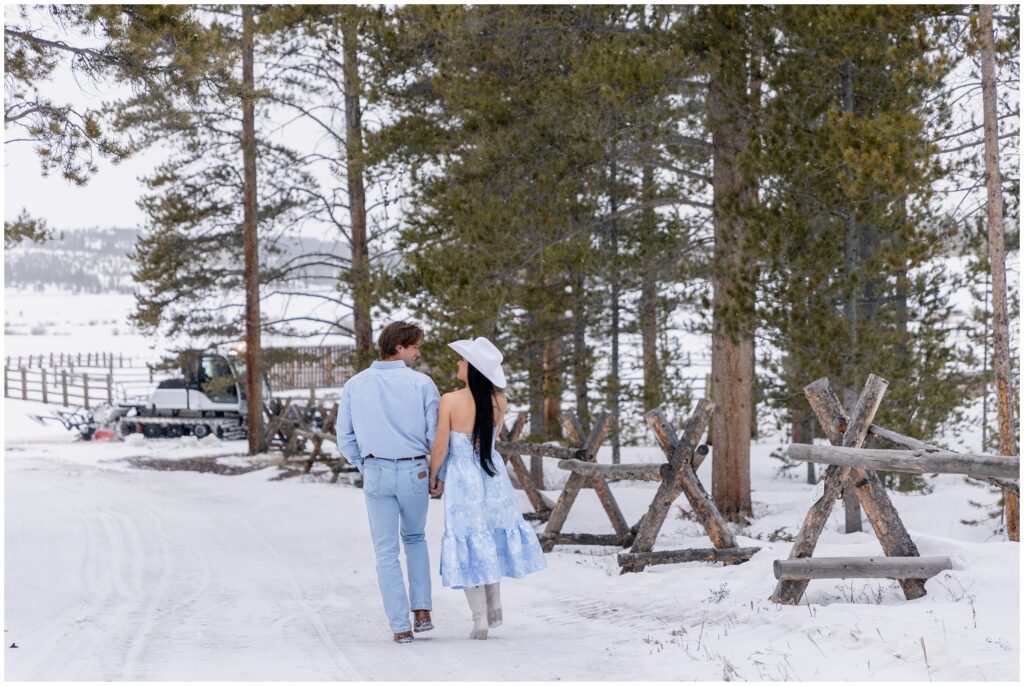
pixel 97 261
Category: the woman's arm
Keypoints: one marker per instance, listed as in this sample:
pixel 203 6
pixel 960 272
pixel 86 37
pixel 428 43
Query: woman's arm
pixel 439 451
pixel 502 402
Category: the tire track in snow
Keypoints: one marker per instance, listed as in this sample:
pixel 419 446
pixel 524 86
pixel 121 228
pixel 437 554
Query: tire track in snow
pixel 311 613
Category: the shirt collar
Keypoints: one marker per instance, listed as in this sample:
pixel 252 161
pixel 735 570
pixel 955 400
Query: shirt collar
pixel 389 364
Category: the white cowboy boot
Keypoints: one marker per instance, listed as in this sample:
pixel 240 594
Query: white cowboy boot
pixel 477 598
pixel 493 592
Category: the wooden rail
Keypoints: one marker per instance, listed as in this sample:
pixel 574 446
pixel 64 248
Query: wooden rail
pixel 910 461
pixel 808 568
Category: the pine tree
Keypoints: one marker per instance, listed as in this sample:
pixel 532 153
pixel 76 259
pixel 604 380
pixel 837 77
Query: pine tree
pixel 846 224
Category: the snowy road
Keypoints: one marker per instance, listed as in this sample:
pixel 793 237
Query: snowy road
pixel 119 573
pixel 139 575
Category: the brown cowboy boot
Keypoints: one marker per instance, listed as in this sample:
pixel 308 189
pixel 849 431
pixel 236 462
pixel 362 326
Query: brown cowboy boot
pixel 421 620
pixel 403 637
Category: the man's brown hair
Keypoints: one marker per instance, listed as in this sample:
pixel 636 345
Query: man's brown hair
pixel 398 333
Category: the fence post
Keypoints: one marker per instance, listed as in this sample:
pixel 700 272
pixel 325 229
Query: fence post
pixel 79 359
pixel 110 362
pixel 150 367
pixel 7 390
pixel 120 360
pixel 42 373
pixel 24 385
pixel 85 389
pixel 110 388
pixel 64 386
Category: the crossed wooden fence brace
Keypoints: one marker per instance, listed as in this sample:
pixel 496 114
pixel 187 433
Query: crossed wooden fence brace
pixel 678 476
pixel 903 561
pixel 684 454
pixel 292 425
pixel 510 448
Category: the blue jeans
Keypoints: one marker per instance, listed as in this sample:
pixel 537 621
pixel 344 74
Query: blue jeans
pixel 396 494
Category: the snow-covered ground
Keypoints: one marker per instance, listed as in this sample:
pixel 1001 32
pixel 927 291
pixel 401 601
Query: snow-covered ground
pixel 117 572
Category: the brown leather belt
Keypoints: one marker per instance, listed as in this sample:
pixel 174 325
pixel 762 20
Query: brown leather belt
pixel 396 459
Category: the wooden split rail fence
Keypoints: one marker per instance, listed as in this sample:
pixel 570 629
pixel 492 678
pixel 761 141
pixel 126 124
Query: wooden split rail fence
pixel 851 467
pixel 63 387
pixel 677 475
pixel 292 425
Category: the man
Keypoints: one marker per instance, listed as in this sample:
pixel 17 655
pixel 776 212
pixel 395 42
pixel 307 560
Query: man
pixel 386 425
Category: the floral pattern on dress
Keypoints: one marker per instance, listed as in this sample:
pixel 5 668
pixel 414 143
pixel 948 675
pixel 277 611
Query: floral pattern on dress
pixel 485 535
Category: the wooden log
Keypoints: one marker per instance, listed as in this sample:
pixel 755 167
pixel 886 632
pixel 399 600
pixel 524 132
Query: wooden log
pixel 699 454
pixel 662 557
pixel 879 437
pixel 549 541
pixel 910 461
pixel 665 435
pixel 540 450
pixel 878 507
pixel 542 505
pixel 635 472
pixel 602 425
pixel 561 510
pixel 704 508
pixel 809 568
pixel 276 422
pixel 610 505
pixel 820 396
pixel 671 487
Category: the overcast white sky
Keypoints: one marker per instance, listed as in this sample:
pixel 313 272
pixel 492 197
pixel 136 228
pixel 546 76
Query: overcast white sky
pixel 109 198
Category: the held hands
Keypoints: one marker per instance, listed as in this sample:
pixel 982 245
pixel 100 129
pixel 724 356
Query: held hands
pixel 436 487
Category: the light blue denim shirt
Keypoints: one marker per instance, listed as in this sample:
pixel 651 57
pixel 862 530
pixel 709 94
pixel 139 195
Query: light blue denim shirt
pixel 389 411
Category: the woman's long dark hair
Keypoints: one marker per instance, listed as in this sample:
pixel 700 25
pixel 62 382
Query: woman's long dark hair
pixel 483 426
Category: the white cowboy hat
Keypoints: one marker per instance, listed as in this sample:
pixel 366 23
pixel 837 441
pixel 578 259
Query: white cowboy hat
pixel 483 355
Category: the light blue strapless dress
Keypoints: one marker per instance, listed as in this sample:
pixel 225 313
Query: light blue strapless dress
pixel 485 535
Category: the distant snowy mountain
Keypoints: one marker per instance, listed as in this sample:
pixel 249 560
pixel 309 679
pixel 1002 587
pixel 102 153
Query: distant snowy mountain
pixel 97 261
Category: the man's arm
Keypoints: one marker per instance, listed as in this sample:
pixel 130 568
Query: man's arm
pixel 439 451
pixel 348 446
pixel 432 409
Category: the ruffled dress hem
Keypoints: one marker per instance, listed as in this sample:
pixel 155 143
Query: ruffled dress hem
pixel 480 558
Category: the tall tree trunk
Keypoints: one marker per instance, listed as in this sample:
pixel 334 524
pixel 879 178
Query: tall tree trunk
pixel 850 254
pixel 997 261
pixel 354 162
pixel 614 384
pixel 253 349
pixel 732 325
pixel 553 387
pixel 905 482
pixel 535 370
pixel 649 300
pixel 580 357
pixel 803 431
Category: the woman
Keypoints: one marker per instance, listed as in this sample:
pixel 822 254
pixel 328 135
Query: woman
pixel 485 536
